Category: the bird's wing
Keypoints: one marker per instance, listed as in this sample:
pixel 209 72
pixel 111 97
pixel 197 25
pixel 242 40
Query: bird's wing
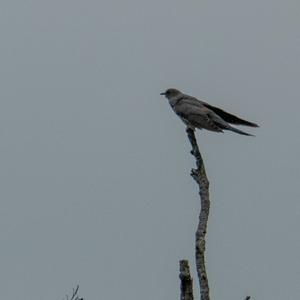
pixel 229 117
pixel 193 112
pixel 222 124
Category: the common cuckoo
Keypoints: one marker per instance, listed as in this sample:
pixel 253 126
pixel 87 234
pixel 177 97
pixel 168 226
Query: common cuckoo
pixel 198 114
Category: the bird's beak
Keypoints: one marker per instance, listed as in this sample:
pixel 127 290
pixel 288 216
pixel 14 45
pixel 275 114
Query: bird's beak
pixel 162 93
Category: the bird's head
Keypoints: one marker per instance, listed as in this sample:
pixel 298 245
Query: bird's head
pixel 171 93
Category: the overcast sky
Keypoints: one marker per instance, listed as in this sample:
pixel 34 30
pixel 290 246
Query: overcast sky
pixel 94 177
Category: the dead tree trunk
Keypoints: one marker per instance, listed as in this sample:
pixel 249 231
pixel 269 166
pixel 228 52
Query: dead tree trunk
pixel 200 177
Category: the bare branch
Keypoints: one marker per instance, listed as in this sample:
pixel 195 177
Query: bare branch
pixel 200 177
pixel 74 294
pixel 75 291
pixel 186 287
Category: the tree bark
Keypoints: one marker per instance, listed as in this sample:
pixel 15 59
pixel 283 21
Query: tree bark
pixel 199 175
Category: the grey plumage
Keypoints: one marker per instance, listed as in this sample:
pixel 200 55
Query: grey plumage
pixel 198 114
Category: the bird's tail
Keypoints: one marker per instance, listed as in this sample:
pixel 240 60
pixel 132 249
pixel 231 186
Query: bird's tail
pixel 239 131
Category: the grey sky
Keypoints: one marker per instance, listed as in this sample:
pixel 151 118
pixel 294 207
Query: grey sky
pixel 94 176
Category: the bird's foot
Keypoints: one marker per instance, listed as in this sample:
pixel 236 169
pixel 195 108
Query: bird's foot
pixel 189 127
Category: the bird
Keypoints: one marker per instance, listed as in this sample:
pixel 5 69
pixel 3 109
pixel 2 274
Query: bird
pixel 201 115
